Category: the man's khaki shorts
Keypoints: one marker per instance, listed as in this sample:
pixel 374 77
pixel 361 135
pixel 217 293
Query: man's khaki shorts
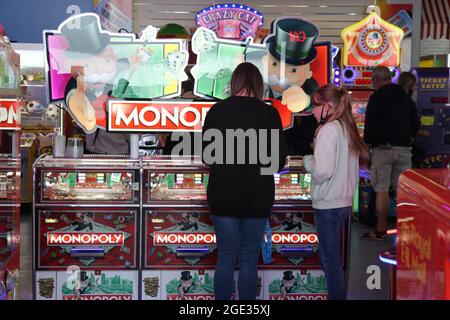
pixel 387 164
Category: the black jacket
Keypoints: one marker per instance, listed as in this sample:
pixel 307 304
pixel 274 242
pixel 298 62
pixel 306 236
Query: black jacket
pixel 240 190
pixel 391 117
pixel 299 138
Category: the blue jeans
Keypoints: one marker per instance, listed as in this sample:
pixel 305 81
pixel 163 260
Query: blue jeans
pixel 233 235
pixel 329 224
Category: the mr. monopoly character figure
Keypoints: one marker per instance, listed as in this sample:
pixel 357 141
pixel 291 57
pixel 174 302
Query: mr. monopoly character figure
pixel 93 67
pixel 290 79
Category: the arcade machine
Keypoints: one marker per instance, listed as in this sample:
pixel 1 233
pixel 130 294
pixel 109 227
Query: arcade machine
pixel 86 225
pixel 433 110
pixel 367 44
pixel 423 256
pixel 179 245
pixel 9 169
pixel 179 249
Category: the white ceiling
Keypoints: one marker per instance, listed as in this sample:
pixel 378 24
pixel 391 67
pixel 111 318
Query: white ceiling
pixel 331 16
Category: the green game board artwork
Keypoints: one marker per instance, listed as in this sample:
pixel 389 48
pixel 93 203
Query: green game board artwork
pixel 199 285
pixel 216 60
pixel 102 285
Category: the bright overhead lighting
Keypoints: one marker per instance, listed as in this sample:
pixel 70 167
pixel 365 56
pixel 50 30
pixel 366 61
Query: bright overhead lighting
pixel 298 6
pixel 174 12
pixel 352 14
pixel 324 6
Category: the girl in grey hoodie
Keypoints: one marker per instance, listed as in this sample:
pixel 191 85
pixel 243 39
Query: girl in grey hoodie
pixel 334 169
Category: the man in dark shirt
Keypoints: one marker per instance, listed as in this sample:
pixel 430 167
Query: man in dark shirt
pixel 391 124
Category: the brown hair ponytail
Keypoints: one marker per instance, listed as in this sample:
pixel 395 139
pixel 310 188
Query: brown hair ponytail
pixel 340 100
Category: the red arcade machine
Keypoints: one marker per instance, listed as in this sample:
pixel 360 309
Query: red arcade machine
pixel 9 170
pixel 423 255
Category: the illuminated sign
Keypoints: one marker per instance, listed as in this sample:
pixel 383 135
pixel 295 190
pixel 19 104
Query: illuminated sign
pixel 433 83
pixel 148 116
pixel 99 297
pixel 182 238
pixel 298 297
pixel 190 297
pixel 86 65
pixel 294 238
pixel 9 114
pixel 230 21
pixel 78 238
pixel 371 42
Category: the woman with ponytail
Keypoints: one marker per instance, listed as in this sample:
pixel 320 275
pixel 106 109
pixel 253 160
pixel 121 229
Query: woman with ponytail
pixel 334 168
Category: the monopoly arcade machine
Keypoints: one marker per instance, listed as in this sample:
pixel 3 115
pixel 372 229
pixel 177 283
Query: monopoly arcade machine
pixel 368 43
pixel 86 208
pixel 9 169
pixel 433 110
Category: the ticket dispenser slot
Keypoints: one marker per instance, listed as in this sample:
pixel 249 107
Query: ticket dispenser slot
pixel 192 251
pixel 85 252
pixel 297 252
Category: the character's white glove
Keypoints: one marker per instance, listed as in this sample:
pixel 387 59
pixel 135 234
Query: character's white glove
pixel 296 99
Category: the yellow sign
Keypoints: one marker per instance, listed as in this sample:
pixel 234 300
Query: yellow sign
pixel 371 42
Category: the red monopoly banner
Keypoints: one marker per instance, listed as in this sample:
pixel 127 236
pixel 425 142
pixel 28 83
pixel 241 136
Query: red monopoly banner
pixel 9 114
pixel 168 116
pixel 156 116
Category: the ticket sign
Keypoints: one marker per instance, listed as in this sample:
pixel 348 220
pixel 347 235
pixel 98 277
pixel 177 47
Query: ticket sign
pixel 169 116
pixel 9 114
pixel 371 42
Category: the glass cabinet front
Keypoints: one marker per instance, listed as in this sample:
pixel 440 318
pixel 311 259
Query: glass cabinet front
pixel 88 186
pixel 292 186
pixel 177 186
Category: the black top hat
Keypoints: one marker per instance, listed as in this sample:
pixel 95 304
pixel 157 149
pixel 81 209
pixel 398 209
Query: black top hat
pixel 185 275
pixel 298 36
pixel 84 36
pixel 90 215
pixel 83 276
pixel 287 275
pixel 195 215
pixel 298 214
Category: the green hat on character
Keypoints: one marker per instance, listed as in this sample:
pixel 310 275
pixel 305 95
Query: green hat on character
pixel 294 37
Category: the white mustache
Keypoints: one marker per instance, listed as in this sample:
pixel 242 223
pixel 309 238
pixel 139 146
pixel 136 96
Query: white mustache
pixel 100 77
pixel 275 80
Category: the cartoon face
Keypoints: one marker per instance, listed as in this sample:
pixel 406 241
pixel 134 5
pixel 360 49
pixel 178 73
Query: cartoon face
pixel 84 284
pixel 294 75
pixel 297 219
pixel 289 283
pixel 99 69
pixel 186 283
pixel 87 219
pixel 193 219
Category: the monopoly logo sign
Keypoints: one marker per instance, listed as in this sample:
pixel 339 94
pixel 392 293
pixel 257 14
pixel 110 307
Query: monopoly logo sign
pixel 294 238
pixel 110 297
pixel 9 114
pixel 190 297
pixel 300 296
pixel 156 116
pixel 92 238
pixel 181 238
pixel 230 21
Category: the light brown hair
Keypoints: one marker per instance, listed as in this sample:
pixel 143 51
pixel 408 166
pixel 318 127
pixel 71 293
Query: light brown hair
pixel 247 79
pixel 407 81
pixel 340 101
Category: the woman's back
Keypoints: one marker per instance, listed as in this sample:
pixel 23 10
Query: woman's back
pixel 236 189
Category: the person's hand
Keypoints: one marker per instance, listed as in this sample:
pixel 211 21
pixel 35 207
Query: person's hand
pixel 82 110
pixel 296 99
